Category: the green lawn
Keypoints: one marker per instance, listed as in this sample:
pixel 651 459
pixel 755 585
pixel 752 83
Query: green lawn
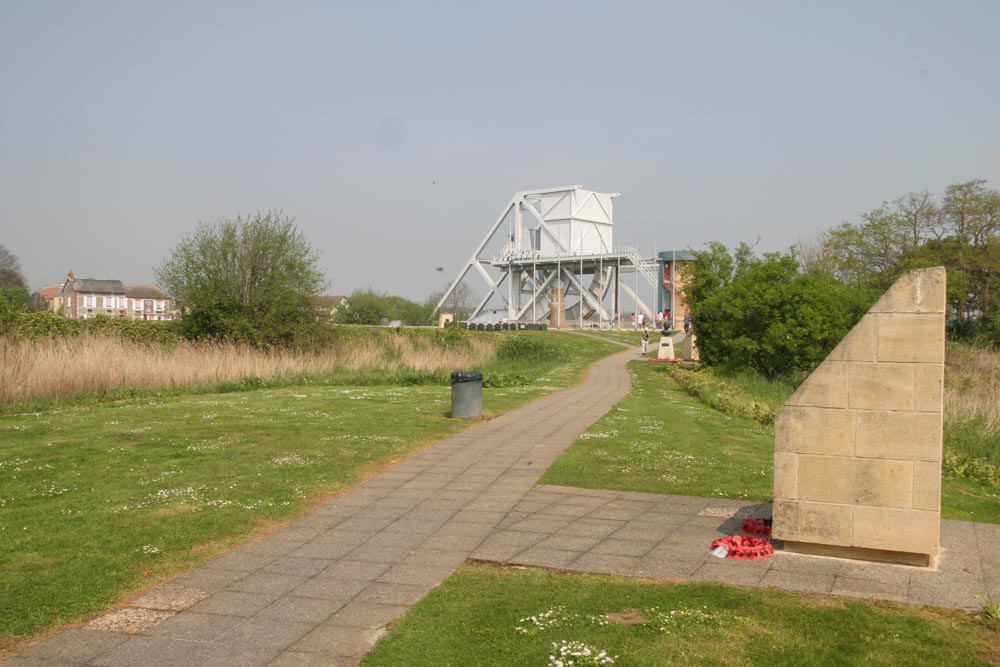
pixel 644 623
pixel 662 440
pixel 98 500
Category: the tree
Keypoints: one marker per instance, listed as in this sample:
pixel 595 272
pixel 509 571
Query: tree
pixel 10 269
pixel 247 279
pixel 765 314
pixel 367 306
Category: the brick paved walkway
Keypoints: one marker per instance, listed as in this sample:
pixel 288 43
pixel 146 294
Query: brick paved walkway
pixel 321 590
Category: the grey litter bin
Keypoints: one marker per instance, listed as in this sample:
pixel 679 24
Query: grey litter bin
pixel 467 395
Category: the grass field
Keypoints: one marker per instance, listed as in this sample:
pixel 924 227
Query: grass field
pixel 100 499
pixel 662 440
pixel 533 613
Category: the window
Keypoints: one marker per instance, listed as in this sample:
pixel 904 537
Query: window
pixel 90 301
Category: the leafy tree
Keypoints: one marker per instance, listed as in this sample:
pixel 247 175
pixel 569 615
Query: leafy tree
pixel 10 269
pixel 764 313
pixel 247 279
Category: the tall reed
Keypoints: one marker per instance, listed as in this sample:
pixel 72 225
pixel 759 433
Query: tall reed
pixel 972 387
pixel 60 368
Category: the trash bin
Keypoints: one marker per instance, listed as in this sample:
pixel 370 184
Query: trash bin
pixel 466 395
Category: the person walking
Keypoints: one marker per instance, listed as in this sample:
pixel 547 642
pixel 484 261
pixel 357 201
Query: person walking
pixel 645 341
pixel 687 324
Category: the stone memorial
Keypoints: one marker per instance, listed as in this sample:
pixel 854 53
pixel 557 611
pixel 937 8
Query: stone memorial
pixel 858 447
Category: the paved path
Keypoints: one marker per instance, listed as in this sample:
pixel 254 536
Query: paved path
pixel 321 590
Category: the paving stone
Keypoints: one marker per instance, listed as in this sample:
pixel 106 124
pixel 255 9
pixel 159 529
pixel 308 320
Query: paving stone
pixel 502 546
pixel 664 568
pixel 144 651
pixel 232 603
pixel 267 632
pixel 367 615
pixel 746 576
pixel 541 524
pixel 129 620
pixel 302 609
pixel 408 526
pixel 798 581
pixel 170 598
pixel 569 542
pixel 557 558
pixel 790 562
pixel 870 588
pixel 392 594
pixel 436 557
pixel 355 569
pixel 587 527
pixel 423 575
pixel 452 542
pixel 607 564
pixel 624 547
pixel 330 589
pixel 379 554
pixel 206 579
pixel 75 646
pixel 480 530
pixel 300 659
pixel 293 534
pixel 265 582
pixel 338 640
pixel 239 562
pixel 268 547
pixel 327 550
pixel 345 537
pixel 301 567
pixel 194 626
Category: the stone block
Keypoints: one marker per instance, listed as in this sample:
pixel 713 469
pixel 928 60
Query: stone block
pixel 927 486
pixel 918 291
pixel 883 483
pixel 819 523
pixel 875 386
pixel 904 436
pixel 828 479
pixel 859 344
pixel 913 531
pixel 928 387
pixel 825 388
pixel 911 337
pixel 786 475
pixel 814 431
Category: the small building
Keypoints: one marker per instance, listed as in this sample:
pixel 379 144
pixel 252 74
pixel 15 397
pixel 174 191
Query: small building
pixel 326 306
pixel 148 302
pixel 50 298
pixel 84 298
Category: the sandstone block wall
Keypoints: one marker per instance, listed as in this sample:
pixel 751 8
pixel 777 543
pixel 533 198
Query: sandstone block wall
pixel 857 460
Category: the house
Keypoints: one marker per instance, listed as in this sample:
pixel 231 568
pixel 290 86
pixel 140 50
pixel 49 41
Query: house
pixel 148 302
pixel 84 298
pixel 326 306
pixel 50 298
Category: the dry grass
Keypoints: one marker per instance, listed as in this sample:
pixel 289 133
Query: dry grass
pixel 972 387
pixel 63 368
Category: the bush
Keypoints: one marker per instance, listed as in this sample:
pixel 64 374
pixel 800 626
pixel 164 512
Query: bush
pixel 762 313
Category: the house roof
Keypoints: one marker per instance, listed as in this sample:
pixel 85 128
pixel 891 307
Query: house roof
pixel 49 292
pixel 94 286
pixel 144 292
pixel 327 301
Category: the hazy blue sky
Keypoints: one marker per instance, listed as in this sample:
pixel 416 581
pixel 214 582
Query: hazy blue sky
pixel 395 132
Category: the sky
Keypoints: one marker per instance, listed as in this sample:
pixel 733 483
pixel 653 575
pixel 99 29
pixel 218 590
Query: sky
pixel 395 133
